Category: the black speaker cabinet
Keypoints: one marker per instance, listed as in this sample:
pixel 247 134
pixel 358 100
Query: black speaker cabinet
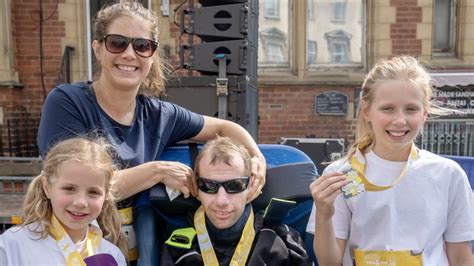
pixel 199 95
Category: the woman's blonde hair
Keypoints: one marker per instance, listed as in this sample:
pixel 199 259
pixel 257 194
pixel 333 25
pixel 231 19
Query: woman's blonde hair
pixel 91 153
pixel 153 85
pixel 405 68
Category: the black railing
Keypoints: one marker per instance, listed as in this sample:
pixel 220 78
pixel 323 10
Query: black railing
pixel 19 138
pixel 448 137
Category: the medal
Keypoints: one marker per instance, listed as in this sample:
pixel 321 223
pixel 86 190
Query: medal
pixel 358 183
pixel 355 185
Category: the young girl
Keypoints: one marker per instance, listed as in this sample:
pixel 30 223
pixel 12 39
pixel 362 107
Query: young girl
pixel 65 208
pixel 388 202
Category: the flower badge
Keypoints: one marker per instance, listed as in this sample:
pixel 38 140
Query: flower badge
pixel 355 185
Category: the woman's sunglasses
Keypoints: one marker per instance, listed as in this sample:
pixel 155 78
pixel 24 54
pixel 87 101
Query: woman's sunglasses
pixel 116 44
pixel 232 186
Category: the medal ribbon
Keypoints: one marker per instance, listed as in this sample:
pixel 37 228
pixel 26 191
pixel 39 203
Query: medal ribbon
pixel 387 257
pixel 69 249
pixel 242 250
pixel 358 164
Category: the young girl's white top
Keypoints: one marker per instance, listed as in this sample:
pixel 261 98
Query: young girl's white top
pixel 21 246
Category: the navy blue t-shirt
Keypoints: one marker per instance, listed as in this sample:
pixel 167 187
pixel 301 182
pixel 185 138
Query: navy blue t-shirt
pixel 72 110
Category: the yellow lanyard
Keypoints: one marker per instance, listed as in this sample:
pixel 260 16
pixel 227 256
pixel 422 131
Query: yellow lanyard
pixel 242 250
pixel 359 183
pixel 68 248
pixel 358 164
pixel 387 257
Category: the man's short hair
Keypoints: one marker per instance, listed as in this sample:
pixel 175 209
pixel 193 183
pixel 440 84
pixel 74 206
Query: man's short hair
pixel 224 150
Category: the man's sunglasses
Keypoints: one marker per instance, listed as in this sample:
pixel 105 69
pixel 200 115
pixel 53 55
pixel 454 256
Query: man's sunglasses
pixel 116 44
pixel 232 186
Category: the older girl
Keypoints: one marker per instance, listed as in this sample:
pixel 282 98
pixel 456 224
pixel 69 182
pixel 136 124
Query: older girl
pixel 388 202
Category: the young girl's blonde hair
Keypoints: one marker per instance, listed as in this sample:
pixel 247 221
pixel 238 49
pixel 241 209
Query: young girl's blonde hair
pixel 91 153
pixel 405 68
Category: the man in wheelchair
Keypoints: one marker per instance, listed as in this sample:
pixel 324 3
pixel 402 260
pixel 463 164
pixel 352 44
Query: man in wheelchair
pixel 226 231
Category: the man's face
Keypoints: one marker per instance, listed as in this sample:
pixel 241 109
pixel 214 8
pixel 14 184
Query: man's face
pixel 222 209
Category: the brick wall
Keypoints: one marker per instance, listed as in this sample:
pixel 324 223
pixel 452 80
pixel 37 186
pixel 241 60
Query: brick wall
pixel 289 111
pixel 285 111
pixel 25 103
pixel 403 31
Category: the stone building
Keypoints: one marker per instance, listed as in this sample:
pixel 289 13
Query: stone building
pixel 307 48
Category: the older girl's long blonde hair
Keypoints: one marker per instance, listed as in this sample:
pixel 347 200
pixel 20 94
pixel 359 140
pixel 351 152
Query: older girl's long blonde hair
pixel 92 153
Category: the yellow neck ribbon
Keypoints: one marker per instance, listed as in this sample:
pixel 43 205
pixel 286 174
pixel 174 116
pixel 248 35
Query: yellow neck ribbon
pixel 387 257
pixel 69 249
pixel 242 250
pixel 358 164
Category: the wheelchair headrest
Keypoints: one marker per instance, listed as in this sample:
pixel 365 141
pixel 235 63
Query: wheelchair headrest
pixel 289 182
pixel 289 174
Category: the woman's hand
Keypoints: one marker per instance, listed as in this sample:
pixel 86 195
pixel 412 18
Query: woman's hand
pixel 257 178
pixel 175 175
pixel 324 191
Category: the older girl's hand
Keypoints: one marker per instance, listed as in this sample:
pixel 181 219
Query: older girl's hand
pixel 324 191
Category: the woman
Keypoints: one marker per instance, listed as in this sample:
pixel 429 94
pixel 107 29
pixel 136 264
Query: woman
pixel 121 104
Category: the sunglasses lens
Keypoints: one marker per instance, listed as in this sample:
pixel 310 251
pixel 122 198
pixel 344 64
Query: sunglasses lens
pixel 231 186
pixel 116 43
pixel 236 185
pixel 144 47
pixel 208 186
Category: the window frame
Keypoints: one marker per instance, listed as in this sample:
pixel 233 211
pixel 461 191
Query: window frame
pixel 310 9
pixel 343 53
pixel 314 53
pixel 298 69
pixel 275 11
pixel 334 9
pixel 276 51
pixel 266 37
pixel 360 67
pixel 453 27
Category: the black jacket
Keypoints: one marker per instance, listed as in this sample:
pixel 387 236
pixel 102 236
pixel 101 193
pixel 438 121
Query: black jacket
pixel 274 244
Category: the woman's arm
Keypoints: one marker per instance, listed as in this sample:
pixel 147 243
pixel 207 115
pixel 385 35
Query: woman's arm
pixel 132 180
pixel 213 126
pixel 460 253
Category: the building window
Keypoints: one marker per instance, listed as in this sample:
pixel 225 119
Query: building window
pixel 310 10
pixel 272 9
pixel 444 28
pixel 273 42
pixel 274 37
pixel 337 43
pixel 339 46
pixel 338 11
pixel 312 52
pixel 339 52
pixel 309 42
pixel 275 53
